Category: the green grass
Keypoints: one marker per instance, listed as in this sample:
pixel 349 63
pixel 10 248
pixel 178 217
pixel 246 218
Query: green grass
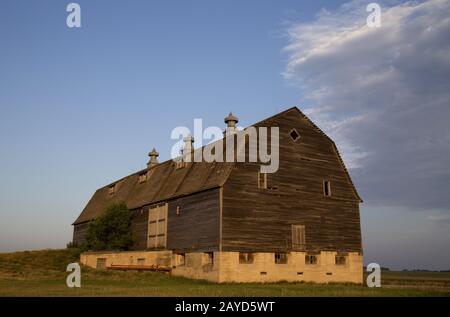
pixel 42 273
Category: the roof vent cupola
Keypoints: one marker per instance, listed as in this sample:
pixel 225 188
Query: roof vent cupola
pixel 231 121
pixel 153 158
pixel 188 149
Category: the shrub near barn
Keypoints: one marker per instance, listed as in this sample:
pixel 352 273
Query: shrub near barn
pixel 112 230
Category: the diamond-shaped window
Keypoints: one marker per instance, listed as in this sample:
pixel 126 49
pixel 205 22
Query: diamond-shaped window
pixel 294 135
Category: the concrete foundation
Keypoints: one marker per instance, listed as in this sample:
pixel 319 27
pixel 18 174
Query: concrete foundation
pixel 223 267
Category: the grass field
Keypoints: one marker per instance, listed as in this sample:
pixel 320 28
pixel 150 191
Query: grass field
pixel 42 273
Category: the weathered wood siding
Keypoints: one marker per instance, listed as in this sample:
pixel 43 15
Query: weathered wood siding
pixel 257 219
pixel 196 227
pixel 139 225
pixel 79 233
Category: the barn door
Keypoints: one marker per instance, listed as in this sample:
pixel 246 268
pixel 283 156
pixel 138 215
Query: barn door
pixel 298 237
pixel 157 227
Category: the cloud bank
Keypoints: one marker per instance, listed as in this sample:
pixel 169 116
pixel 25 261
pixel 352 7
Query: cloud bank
pixel 383 94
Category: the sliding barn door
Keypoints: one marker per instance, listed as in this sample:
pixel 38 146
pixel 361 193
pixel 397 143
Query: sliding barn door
pixel 157 227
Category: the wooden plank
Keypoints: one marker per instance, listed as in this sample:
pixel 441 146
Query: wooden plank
pixel 79 233
pixel 197 226
pixel 157 226
pixel 139 227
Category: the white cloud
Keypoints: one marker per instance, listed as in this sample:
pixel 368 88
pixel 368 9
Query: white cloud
pixel 383 94
pixel 443 220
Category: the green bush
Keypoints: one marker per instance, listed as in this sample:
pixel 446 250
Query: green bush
pixel 112 230
pixel 72 245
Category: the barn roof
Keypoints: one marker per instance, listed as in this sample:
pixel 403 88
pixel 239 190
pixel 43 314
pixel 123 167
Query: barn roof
pixel 165 181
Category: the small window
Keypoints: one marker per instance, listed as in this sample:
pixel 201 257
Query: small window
pixel 101 263
pixel 246 258
pixel 208 258
pixel 189 261
pixel 262 180
pixel 311 259
pixel 142 177
pixel 180 164
pixel 294 135
pixel 178 210
pixel 327 188
pixel 341 260
pixel 280 258
pixel 112 189
pixel 141 262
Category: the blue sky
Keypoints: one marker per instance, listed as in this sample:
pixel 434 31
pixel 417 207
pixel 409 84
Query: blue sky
pixel 80 108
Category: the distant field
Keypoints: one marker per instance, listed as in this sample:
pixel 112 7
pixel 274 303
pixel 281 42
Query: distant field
pixel 42 273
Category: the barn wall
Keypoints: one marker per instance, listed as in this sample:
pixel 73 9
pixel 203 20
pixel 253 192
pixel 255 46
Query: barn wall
pixel 226 267
pixel 139 227
pixel 264 269
pixel 79 233
pixel 132 258
pixel 257 219
pixel 138 224
pixel 197 225
pixel 195 228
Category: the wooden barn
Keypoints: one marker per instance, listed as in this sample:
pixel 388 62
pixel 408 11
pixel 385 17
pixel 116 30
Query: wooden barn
pixel 227 221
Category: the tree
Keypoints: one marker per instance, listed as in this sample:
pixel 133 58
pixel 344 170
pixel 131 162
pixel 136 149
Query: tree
pixel 112 230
